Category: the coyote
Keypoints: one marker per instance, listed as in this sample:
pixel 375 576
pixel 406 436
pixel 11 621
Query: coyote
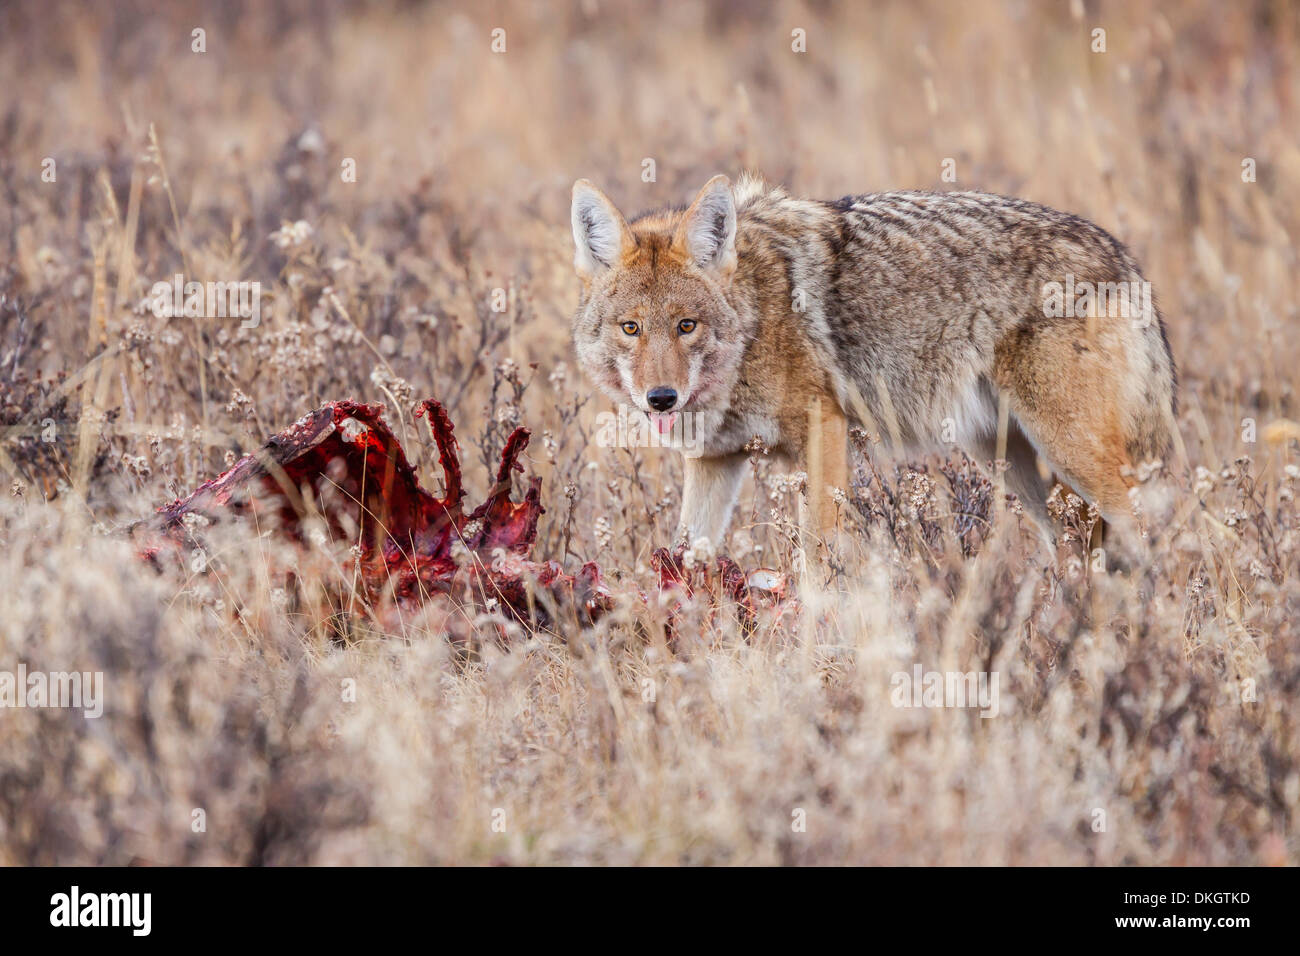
pixel 929 319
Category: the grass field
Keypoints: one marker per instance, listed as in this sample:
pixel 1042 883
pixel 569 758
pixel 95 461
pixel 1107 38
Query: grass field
pixel 257 717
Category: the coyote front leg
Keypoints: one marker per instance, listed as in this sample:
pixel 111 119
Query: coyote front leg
pixel 709 495
pixel 826 463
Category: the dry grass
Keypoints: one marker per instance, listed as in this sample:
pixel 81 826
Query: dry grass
pixel 225 687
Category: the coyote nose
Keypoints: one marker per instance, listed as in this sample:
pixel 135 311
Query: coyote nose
pixel 661 399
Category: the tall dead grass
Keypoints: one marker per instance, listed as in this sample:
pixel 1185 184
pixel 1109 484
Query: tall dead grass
pixel 1146 718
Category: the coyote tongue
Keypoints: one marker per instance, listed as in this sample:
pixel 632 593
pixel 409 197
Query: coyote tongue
pixel 663 423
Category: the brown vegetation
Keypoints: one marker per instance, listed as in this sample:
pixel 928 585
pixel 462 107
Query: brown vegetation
pixel 308 731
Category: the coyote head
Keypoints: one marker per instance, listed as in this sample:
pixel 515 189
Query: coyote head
pixel 654 327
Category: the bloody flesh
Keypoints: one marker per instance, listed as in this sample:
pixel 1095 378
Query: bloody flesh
pixel 342 465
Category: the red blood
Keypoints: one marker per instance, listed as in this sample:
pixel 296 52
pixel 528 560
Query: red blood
pixel 344 464
pixel 343 461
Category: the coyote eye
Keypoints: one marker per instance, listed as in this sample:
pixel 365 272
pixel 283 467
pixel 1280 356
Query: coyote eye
pixel 631 328
pixel 686 326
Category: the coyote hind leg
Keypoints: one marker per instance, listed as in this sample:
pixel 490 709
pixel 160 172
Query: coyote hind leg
pixel 1071 405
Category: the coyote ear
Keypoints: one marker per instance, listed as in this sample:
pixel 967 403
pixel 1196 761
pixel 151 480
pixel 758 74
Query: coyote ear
pixel 600 233
pixel 708 230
